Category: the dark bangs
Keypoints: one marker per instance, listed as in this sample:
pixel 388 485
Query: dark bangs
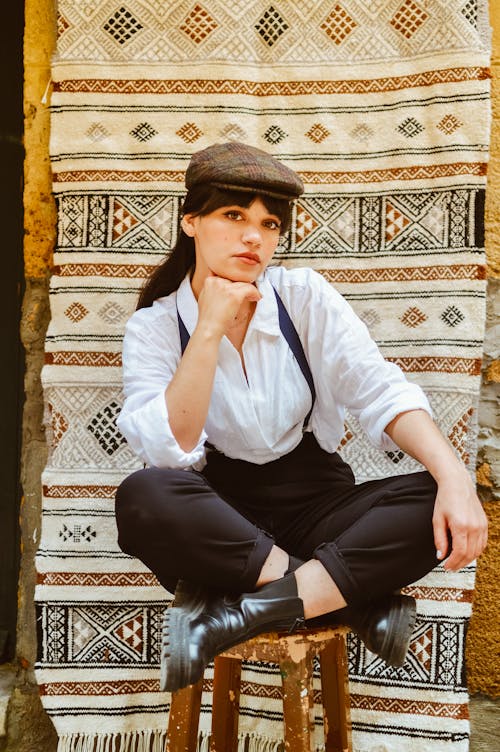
pixel 204 199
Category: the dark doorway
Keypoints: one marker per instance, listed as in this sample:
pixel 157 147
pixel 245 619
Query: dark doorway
pixel 11 292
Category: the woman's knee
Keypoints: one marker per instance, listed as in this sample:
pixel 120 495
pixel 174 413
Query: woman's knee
pixel 143 501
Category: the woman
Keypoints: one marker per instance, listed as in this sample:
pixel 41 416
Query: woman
pixel 236 378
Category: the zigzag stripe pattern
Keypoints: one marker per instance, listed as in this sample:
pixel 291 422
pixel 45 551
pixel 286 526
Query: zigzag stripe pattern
pixel 77 492
pixel 271 88
pixel 356 177
pixel 379 274
pixel 97 579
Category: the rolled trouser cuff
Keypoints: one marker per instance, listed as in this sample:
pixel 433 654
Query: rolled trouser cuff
pixel 256 560
pixel 334 563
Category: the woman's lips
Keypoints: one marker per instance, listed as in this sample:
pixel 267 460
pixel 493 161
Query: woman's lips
pixel 248 258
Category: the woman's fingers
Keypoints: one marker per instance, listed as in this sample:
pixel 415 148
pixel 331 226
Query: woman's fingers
pixel 220 300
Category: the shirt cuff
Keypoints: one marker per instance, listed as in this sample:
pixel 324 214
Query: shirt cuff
pixel 413 398
pixel 149 435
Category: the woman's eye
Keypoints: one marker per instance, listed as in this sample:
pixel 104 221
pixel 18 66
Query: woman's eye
pixel 272 225
pixel 233 215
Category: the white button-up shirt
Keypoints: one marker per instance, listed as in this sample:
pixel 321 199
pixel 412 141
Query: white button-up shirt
pixel 259 417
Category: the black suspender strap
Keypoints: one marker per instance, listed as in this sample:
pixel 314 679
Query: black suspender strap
pixel 291 335
pixel 289 332
pixel 183 332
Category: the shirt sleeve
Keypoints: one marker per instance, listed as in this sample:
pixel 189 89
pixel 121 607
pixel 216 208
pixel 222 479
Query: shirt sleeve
pixel 353 372
pixel 151 352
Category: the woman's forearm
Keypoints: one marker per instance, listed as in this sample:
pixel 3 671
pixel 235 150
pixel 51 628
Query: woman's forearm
pixel 416 434
pixel 188 394
pixel 458 513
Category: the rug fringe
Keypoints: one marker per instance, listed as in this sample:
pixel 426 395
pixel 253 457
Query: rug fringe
pixel 149 740
pixel 154 741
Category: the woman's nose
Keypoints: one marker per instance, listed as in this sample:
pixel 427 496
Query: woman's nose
pixel 251 234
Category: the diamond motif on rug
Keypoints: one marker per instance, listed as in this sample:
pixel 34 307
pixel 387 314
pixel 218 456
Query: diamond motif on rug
pixel 469 11
pixel 413 317
pixel 318 133
pixel 449 124
pixel 103 427
pixel 199 24
pixel 370 317
pixel 409 18
pixel 112 313
pixel 97 132
pixel 189 133
pixel 275 134
pixel 410 127
pixel 338 24
pixel 76 312
pixel 143 132
pixel 452 316
pixel 396 457
pixel 362 132
pixel 233 132
pixel 271 26
pixel 122 26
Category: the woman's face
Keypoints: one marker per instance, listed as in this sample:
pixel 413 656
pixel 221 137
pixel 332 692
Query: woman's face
pixel 233 242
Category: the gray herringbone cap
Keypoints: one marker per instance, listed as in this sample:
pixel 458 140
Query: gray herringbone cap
pixel 240 167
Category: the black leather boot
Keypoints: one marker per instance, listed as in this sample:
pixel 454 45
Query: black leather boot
pixel 385 626
pixel 189 644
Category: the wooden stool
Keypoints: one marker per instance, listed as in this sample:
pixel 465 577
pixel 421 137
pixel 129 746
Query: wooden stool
pixel 294 653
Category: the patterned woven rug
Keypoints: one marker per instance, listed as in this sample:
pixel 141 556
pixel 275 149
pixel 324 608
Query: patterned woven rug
pixel 383 108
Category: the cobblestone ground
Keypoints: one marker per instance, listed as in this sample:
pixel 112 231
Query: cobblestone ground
pixel 485 724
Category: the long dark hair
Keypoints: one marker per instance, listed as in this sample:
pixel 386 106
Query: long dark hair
pixel 200 201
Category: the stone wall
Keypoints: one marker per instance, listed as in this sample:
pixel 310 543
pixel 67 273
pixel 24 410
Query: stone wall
pixel 29 729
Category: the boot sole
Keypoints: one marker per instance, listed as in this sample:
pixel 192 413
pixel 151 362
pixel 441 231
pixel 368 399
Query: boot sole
pixel 397 642
pixel 174 669
pixel 189 602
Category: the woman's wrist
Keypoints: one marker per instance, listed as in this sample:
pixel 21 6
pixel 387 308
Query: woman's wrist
pixel 208 332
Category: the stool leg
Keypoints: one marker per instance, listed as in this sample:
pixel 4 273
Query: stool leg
pixel 335 696
pixel 226 704
pixel 298 704
pixel 184 718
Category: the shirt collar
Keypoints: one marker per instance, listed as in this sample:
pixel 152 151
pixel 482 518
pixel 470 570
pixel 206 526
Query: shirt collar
pixel 187 304
pixel 265 318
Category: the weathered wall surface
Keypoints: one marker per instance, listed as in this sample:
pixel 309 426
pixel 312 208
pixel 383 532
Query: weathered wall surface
pixel 29 729
pixel 482 648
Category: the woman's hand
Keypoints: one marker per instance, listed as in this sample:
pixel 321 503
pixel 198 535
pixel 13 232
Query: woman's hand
pixel 459 513
pixel 219 302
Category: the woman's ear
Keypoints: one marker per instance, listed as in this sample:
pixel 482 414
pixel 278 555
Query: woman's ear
pixel 187 224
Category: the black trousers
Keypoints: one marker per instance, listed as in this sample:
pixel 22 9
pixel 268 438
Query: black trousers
pixel 217 527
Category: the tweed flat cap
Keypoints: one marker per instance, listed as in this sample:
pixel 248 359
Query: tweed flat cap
pixel 237 166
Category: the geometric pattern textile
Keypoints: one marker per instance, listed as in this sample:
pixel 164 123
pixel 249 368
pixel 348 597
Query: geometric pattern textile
pixel 383 108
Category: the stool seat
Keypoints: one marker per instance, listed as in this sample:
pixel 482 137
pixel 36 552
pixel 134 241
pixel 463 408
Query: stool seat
pixel 294 653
